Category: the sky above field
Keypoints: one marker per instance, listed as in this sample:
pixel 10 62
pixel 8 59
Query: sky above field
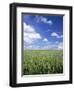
pixel 42 31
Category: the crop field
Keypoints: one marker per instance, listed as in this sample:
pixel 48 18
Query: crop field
pixel 42 62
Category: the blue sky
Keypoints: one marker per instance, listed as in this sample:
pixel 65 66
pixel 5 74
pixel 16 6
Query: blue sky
pixel 42 31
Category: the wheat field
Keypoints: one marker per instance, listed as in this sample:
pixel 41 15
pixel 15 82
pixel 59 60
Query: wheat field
pixel 42 62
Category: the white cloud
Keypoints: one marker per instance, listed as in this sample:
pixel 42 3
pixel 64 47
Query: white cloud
pixel 27 40
pixel 46 47
pixel 44 20
pixel 55 46
pixel 54 34
pixel 28 28
pixel 60 45
pixel 30 34
pixel 32 47
pixel 45 39
pixel 29 47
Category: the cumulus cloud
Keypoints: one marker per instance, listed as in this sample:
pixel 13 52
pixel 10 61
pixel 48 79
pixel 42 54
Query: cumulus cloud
pixel 30 34
pixel 28 28
pixel 54 34
pixel 45 39
pixel 43 19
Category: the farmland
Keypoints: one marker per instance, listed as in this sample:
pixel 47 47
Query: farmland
pixel 42 62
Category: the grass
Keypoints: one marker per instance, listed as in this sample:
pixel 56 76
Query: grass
pixel 42 62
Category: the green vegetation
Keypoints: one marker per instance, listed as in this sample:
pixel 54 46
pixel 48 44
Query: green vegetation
pixel 42 62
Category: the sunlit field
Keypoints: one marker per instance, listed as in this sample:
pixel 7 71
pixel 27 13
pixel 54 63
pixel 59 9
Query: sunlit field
pixel 42 62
